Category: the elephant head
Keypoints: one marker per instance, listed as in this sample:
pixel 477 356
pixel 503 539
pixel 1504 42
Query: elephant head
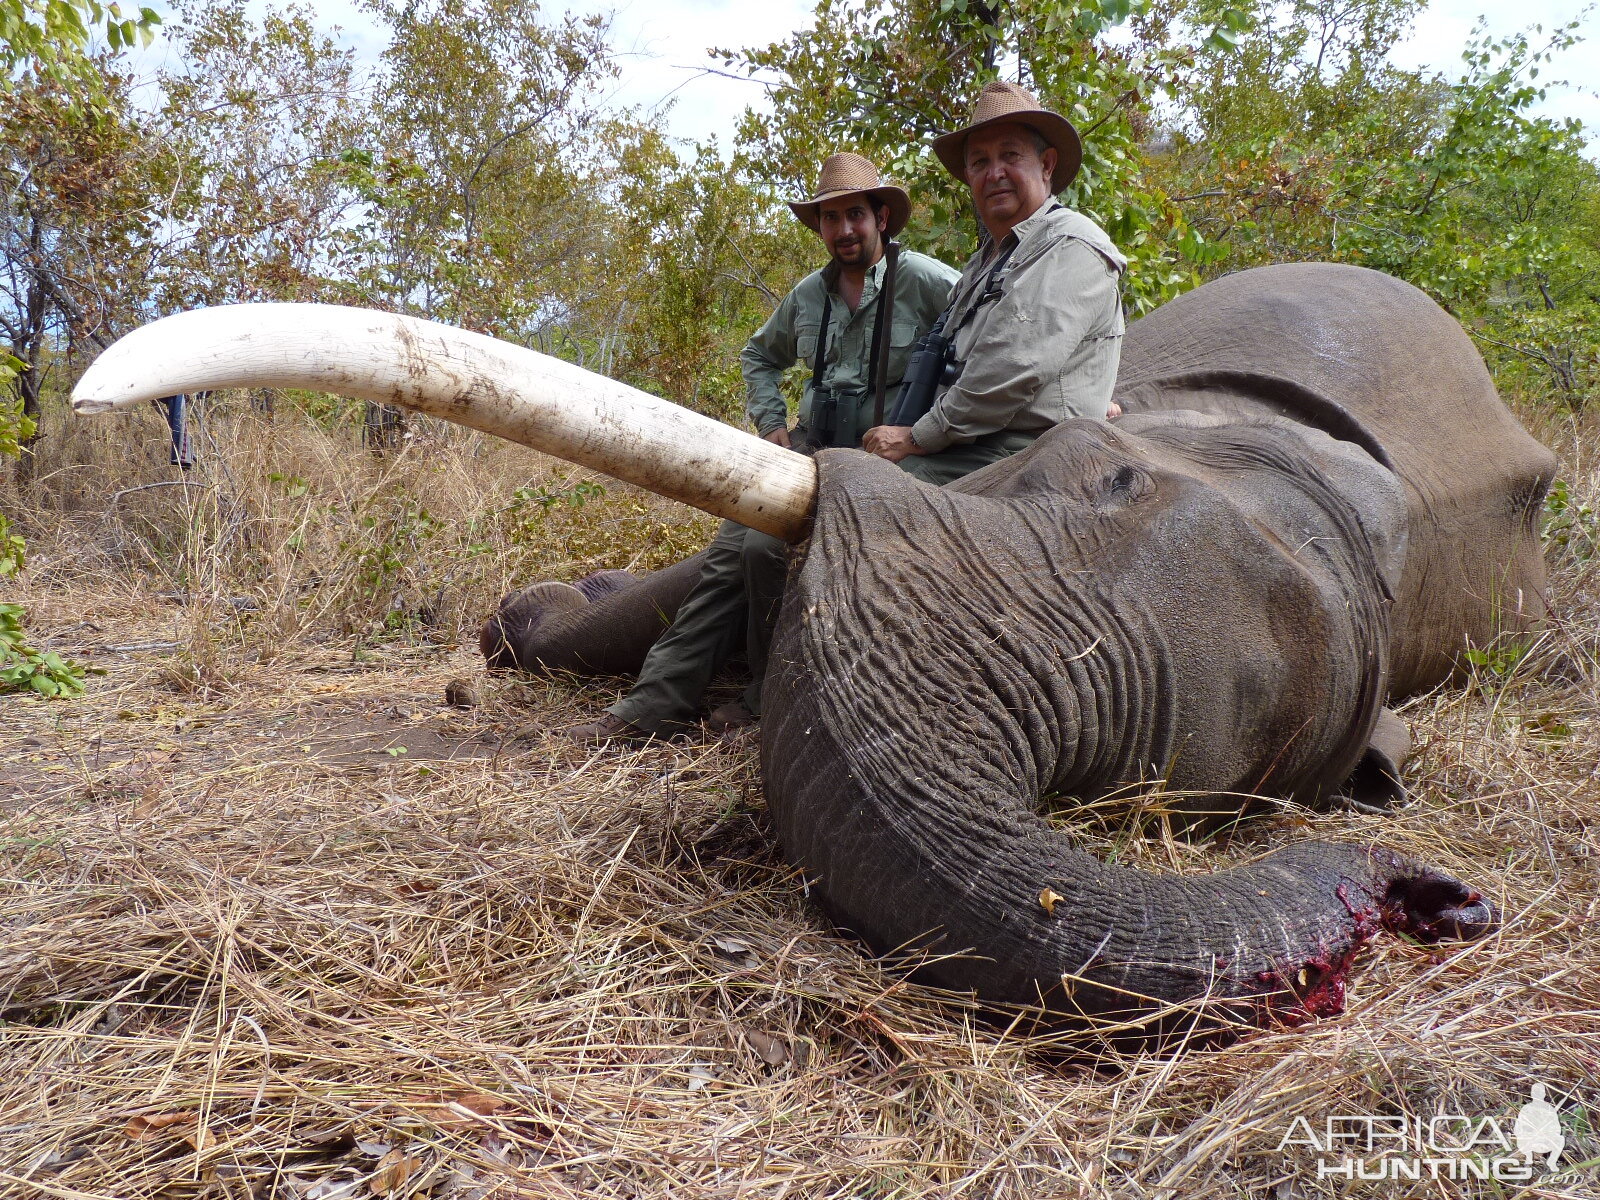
pixel 1199 604
pixel 1200 599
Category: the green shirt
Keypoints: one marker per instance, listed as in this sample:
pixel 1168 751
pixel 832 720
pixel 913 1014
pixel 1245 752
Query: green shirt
pixel 922 289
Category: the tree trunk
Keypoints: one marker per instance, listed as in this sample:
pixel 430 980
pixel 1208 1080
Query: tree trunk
pixel 382 428
pixel 29 382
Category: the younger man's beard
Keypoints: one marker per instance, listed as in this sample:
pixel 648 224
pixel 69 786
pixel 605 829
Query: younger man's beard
pixel 865 255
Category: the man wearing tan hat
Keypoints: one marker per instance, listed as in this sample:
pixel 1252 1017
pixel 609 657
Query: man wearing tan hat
pixel 1035 326
pixel 833 322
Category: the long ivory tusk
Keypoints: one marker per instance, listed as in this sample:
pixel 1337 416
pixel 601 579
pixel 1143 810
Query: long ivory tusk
pixel 473 380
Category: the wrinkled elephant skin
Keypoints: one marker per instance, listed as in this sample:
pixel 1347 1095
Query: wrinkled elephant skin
pixel 1314 502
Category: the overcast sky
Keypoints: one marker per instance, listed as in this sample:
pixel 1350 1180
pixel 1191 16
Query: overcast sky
pixel 667 39
pixel 664 44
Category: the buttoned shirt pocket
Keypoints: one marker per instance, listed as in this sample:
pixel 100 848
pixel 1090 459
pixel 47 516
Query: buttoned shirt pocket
pixel 805 344
pixel 902 340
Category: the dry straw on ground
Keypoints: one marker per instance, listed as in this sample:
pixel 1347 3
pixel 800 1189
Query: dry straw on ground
pixel 279 923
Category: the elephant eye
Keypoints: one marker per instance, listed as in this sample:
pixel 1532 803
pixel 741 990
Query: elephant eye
pixel 1120 487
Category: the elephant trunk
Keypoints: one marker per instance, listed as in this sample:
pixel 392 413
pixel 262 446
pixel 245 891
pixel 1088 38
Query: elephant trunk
pixel 961 880
pixel 472 380
pixel 923 705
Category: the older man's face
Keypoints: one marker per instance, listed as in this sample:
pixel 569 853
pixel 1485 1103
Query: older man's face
pixel 850 229
pixel 1008 175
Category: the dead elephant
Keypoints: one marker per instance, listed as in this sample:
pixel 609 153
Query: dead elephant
pixel 1315 502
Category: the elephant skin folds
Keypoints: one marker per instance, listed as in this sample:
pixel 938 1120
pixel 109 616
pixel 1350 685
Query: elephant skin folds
pixel 1372 360
pixel 1314 502
pixel 1200 602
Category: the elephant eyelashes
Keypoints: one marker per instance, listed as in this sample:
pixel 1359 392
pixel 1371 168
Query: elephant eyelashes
pixel 1120 488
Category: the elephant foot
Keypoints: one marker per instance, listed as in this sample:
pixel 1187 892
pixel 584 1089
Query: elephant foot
pixel 520 614
pixel 602 626
pixel 1375 786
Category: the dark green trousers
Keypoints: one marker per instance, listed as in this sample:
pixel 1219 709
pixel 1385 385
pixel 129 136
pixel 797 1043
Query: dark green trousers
pixel 734 605
pixel 951 464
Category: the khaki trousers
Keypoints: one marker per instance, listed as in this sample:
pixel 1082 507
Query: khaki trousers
pixel 732 607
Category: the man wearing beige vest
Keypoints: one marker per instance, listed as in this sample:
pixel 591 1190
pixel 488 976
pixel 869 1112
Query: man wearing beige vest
pixel 1035 324
pixel 1034 334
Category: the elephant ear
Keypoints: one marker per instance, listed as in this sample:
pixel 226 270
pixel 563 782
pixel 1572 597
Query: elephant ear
pixel 1375 785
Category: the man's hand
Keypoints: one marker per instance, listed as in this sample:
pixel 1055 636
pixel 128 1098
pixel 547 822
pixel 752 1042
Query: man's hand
pixel 893 442
pixel 778 437
pixel 1113 411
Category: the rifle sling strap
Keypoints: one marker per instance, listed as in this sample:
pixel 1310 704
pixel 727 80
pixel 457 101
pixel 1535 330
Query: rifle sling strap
pixel 878 360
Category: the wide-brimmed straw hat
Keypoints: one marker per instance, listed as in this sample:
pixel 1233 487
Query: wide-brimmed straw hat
pixel 844 174
pixel 1001 101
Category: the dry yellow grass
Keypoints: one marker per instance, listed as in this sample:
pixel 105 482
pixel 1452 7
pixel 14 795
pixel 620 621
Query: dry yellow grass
pixel 278 923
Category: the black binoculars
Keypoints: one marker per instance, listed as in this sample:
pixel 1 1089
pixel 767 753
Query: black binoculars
pixel 933 366
pixel 825 425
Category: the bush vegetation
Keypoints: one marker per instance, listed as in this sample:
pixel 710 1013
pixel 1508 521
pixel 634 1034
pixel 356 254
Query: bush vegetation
pixel 279 922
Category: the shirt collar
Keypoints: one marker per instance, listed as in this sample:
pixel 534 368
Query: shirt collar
pixel 1032 221
pixel 830 277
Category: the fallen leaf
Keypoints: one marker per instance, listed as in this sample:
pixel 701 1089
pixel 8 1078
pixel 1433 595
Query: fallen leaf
pixel 201 1138
pixel 332 1141
pixel 699 1076
pixel 732 947
pixel 57 1159
pixel 146 1126
pixel 463 1184
pixel 772 1050
pixel 334 1189
pixel 395 1170
pixel 462 1109
pixel 497 1148
pixel 148 800
pixel 1048 899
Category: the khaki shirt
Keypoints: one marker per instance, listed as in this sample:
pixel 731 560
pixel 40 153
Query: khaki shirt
pixel 922 289
pixel 1048 348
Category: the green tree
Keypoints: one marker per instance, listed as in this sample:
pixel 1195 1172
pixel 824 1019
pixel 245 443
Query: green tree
pixel 49 39
pixel 1305 142
pixel 44 53
pixel 702 257
pixel 73 169
pixel 486 171
pixel 884 78
pixel 255 118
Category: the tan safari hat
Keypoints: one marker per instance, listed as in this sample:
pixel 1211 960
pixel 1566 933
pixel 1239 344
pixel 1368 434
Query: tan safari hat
pixel 1001 101
pixel 844 174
